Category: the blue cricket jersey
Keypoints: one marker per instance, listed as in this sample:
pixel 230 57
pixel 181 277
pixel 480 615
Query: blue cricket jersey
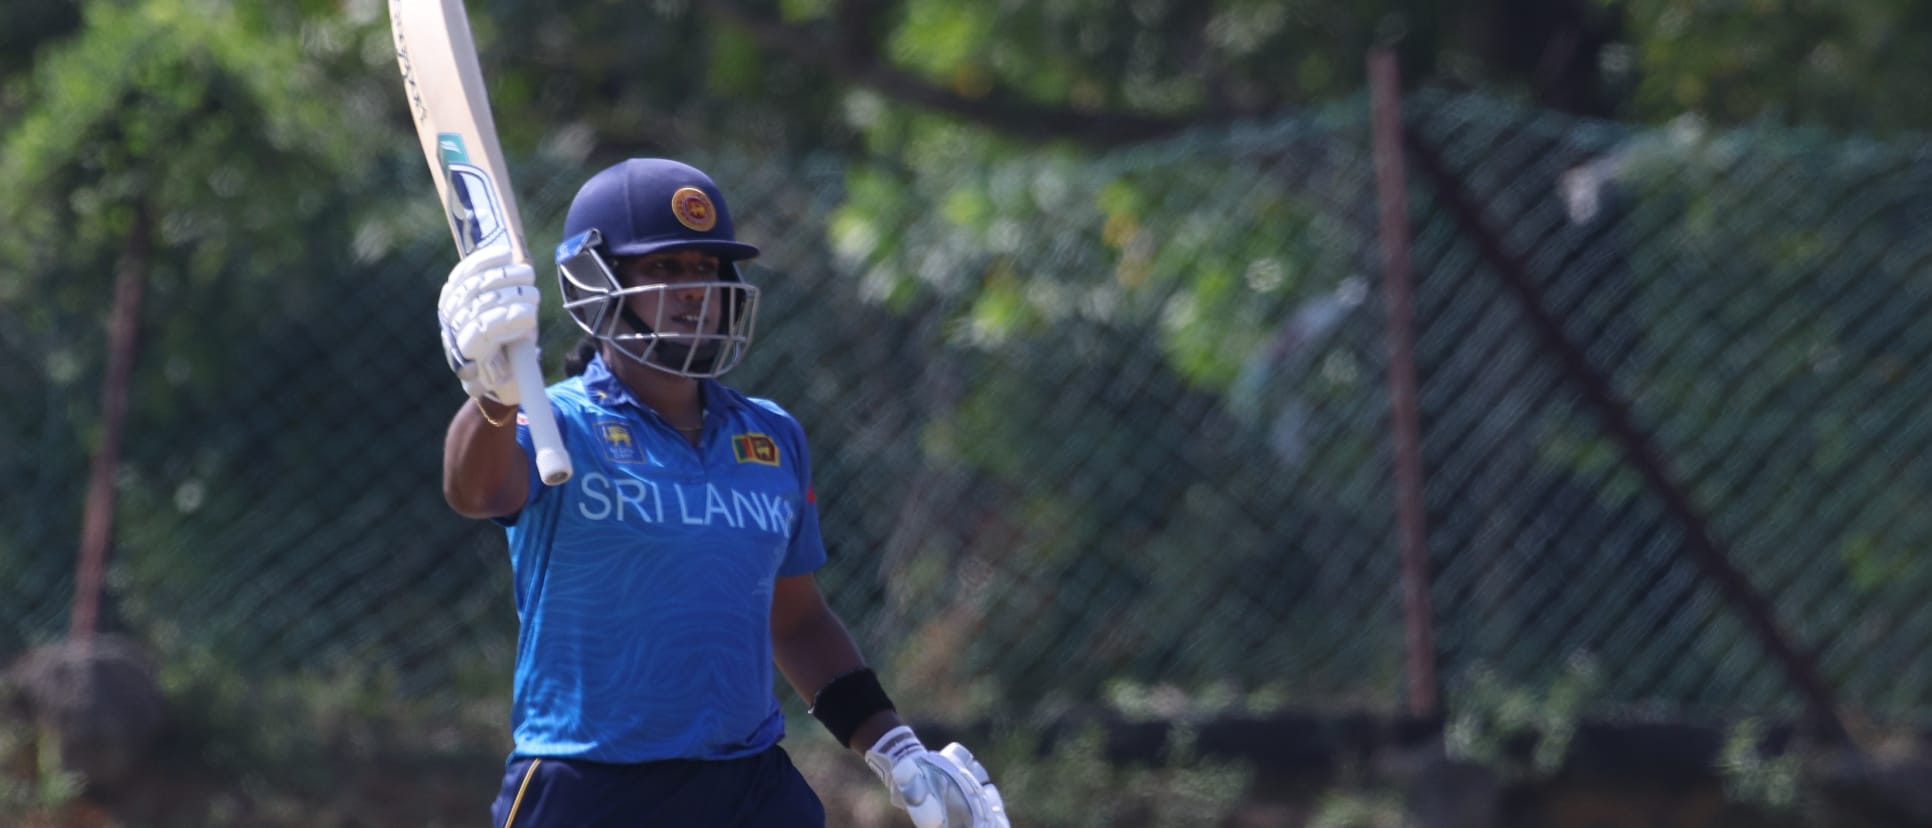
pixel 644 584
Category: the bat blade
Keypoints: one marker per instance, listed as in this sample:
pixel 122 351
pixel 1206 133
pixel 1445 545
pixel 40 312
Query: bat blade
pixel 450 107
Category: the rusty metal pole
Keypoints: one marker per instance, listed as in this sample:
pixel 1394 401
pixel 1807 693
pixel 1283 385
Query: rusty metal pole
pixel 1405 426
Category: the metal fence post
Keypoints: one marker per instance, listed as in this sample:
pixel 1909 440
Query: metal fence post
pixel 1405 425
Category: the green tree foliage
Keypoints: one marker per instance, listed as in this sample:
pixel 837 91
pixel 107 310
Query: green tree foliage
pixel 1848 64
pixel 220 126
pixel 213 148
pixel 267 142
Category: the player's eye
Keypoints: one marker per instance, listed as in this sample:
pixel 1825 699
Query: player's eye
pixel 672 268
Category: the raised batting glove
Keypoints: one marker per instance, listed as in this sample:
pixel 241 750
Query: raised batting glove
pixel 943 789
pixel 488 303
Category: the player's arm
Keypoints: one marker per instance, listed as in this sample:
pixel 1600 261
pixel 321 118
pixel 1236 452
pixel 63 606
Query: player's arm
pixel 486 473
pixel 939 789
pixel 812 647
pixel 489 302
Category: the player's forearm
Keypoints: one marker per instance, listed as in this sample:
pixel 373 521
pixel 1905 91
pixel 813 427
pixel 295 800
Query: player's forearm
pixel 485 472
pixel 814 651
pixel 815 654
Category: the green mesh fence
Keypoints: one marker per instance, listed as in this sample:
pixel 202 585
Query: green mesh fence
pixel 1084 424
pixel 1749 296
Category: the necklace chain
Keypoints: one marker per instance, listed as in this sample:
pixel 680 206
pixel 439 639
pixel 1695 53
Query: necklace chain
pixel 703 417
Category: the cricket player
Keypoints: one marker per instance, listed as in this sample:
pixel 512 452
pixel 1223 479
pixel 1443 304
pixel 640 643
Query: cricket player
pixel 656 589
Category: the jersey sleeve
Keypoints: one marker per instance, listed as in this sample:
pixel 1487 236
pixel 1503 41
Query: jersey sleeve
pixel 806 551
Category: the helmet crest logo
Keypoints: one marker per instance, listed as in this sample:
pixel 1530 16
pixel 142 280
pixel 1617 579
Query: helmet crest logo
pixel 693 209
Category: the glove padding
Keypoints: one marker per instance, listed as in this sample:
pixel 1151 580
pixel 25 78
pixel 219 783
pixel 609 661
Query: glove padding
pixel 943 789
pixel 488 303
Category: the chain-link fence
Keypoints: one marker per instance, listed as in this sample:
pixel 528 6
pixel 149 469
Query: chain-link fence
pixel 1698 412
pixel 1083 424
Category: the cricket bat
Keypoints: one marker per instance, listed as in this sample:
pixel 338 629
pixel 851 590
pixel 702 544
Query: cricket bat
pixel 451 109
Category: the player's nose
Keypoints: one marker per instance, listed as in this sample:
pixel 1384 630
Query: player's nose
pixel 693 294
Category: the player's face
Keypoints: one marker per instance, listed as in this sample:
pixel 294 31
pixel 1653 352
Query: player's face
pixel 681 307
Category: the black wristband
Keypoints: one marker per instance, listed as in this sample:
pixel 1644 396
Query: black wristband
pixel 846 702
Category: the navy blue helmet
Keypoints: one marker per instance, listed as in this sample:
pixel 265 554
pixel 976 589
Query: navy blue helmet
pixel 637 208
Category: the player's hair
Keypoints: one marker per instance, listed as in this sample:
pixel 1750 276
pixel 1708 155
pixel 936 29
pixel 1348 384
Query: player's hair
pixel 579 357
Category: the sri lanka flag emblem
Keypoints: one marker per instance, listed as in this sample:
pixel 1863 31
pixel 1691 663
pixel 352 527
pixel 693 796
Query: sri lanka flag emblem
pixel 755 448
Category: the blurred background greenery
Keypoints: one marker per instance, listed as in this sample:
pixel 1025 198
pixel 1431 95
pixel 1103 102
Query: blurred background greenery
pixel 1081 303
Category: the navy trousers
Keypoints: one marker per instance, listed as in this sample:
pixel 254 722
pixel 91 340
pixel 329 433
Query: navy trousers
pixel 762 791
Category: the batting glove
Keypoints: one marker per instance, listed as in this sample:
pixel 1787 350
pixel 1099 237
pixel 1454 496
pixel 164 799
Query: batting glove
pixel 943 789
pixel 488 303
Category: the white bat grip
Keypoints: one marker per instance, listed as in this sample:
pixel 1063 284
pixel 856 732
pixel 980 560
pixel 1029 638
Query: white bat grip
pixel 553 462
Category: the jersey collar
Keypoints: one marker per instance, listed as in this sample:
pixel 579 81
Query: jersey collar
pixel 607 389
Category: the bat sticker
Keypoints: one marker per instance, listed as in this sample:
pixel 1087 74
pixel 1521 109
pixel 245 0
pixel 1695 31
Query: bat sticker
pixel 475 211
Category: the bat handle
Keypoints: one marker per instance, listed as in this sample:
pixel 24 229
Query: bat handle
pixel 553 462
